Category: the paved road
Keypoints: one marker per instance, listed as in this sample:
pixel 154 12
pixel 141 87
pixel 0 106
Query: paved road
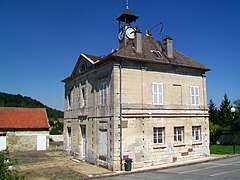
pixel 225 169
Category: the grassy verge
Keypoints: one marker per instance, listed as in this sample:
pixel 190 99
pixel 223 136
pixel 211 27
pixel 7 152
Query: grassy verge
pixel 224 149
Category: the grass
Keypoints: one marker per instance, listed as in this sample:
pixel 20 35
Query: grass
pixel 224 149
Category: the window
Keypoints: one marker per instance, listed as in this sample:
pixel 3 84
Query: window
pixel 84 97
pixel 194 91
pixel 157 90
pixel 196 133
pixel 178 134
pixel 83 67
pixel 103 144
pixel 157 53
pixel 79 98
pixel 158 135
pixel 69 100
pixel 103 93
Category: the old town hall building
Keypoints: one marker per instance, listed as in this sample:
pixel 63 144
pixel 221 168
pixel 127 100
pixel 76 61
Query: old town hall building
pixel 145 101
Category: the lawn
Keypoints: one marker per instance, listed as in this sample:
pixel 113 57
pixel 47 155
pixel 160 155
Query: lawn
pixel 224 149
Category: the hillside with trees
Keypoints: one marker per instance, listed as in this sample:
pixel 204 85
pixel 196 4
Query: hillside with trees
pixel 55 116
pixel 222 119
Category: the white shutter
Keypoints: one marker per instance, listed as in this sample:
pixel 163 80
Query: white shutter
pixel 194 93
pixel 157 90
pixel 103 142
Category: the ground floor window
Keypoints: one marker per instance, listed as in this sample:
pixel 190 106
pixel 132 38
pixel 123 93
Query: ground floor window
pixel 103 144
pixel 158 135
pixel 178 134
pixel 196 133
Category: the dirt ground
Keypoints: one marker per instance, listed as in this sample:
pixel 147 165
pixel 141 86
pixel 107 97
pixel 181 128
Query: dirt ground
pixel 52 165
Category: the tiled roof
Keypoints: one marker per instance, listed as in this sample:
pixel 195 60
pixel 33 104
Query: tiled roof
pixel 23 118
pixel 150 44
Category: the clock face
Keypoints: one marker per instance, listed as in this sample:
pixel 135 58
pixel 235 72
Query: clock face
pixel 130 33
pixel 121 35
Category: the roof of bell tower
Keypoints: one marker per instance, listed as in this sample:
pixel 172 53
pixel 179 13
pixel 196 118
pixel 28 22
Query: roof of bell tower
pixel 127 16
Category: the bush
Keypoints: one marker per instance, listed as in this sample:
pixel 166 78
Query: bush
pixel 7 172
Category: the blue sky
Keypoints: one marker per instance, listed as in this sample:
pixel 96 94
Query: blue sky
pixel 40 40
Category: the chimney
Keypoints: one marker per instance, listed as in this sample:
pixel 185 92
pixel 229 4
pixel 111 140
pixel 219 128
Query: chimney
pixel 168 46
pixel 138 41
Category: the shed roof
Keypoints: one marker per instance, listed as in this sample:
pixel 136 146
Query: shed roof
pixel 23 118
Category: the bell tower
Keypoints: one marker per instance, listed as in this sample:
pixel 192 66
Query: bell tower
pixel 125 31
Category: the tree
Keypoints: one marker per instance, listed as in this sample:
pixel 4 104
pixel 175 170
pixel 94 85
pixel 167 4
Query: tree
pixel 237 114
pixel 225 113
pixel 213 112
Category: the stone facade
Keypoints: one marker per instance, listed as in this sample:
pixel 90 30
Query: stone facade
pixel 145 101
pixel 139 114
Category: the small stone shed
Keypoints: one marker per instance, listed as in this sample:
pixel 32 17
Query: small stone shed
pixel 23 129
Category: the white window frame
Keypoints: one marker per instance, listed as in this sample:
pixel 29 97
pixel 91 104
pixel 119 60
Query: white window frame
pixel 179 134
pixel 157 92
pixel 158 135
pixel 103 93
pixel 196 133
pixel 194 93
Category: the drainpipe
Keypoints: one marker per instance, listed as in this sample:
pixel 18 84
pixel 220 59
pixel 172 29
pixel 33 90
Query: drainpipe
pixel 120 70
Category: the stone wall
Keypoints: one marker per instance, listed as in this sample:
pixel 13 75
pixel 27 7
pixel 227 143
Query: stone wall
pixel 139 113
pixel 24 140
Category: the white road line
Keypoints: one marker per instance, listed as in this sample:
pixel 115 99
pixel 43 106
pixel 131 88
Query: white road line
pixel 183 172
pixel 226 172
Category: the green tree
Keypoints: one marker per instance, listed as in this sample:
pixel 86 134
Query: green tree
pixel 225 113
pixel 213 112
pixel 237 114
pixel 215 132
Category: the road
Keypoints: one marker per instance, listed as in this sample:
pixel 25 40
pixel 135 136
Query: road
pixel 224 169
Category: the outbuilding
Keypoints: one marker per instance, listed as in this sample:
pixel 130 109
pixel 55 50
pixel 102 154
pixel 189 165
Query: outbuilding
pixel 23 129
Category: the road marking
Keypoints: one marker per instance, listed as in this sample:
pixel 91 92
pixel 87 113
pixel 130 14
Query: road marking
pixel 226 172
pixel 183 172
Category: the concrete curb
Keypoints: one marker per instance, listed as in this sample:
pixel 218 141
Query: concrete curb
pixel 159 167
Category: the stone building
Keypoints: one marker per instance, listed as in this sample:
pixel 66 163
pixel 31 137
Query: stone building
pixel 23 129
pixel 145 101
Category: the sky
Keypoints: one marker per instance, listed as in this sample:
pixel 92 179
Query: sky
pixel 41 40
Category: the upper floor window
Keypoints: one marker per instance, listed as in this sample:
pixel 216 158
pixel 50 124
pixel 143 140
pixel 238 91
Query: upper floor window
pixel 178 134
pixel 69 100
pixel 194 92
pixel 158 135
pixel 79 97
pixel 103 93
pixel 84 97
pixel 157 90
pixel 83 67
pixel 196 133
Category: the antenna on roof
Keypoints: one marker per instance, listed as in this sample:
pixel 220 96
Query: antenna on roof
pixel 162 29
pixel 127 4
pixel 161 24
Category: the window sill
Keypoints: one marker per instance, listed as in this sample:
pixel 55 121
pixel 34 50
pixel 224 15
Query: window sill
pixel 197 143
pixel 179 144
pixel 159 146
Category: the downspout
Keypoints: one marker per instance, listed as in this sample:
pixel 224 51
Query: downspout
pixel 120 101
